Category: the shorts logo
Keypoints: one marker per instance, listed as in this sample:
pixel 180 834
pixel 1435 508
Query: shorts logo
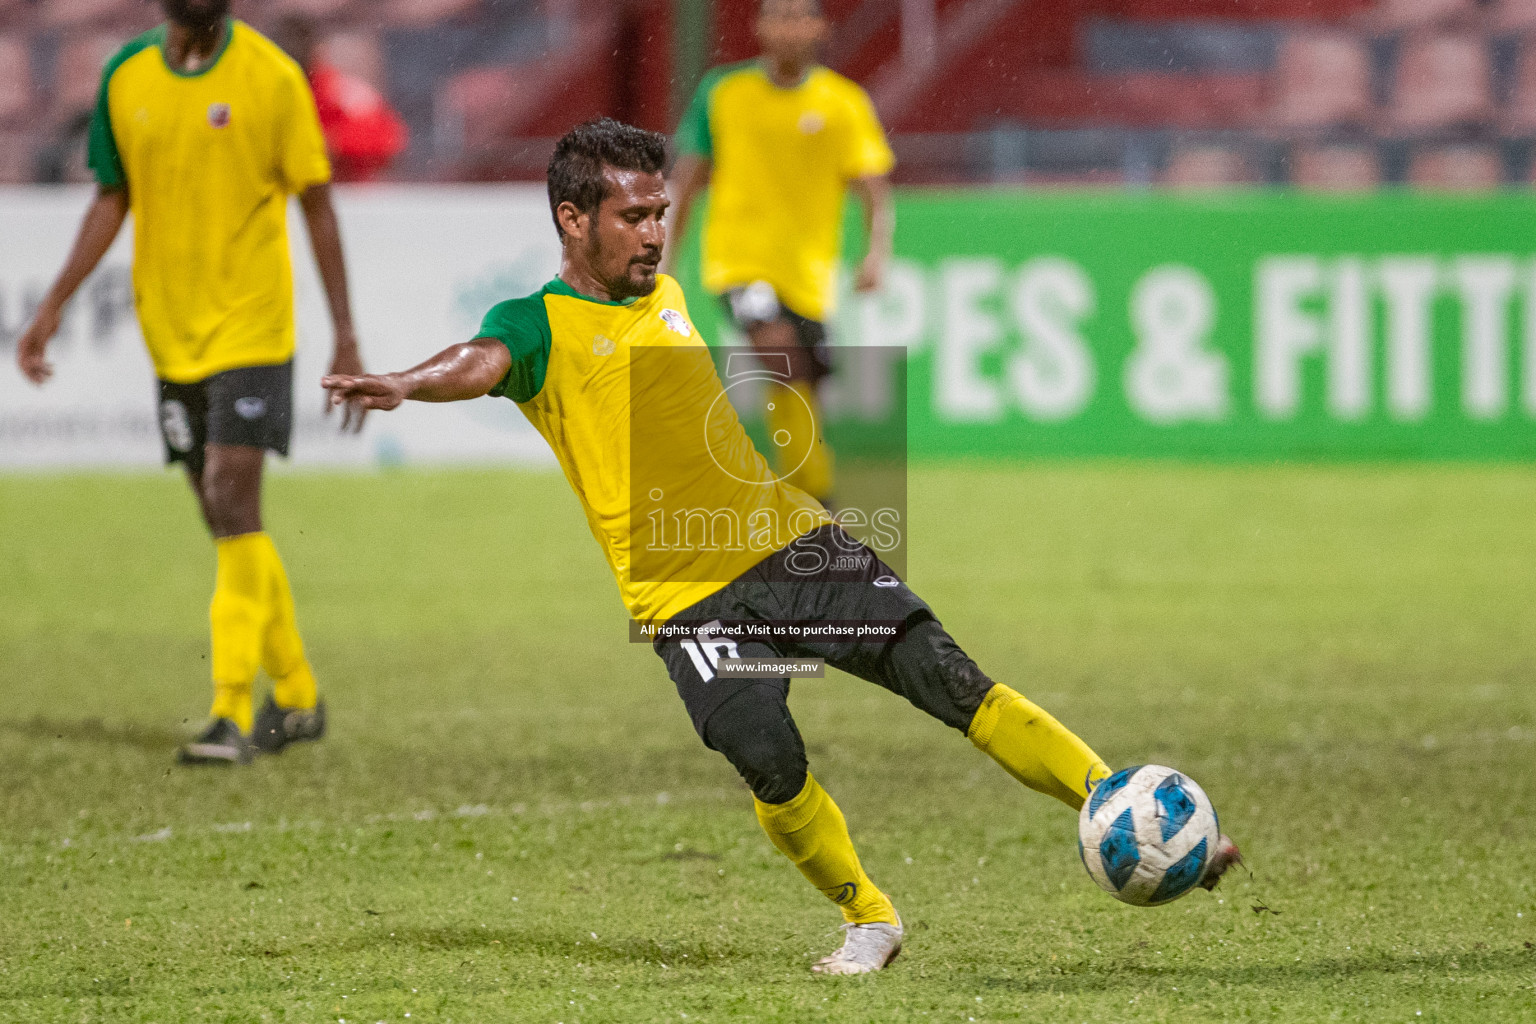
pixel 218 115
pixel 251 408
pixel 756 303
pixel 175 426
pixel 887 581
pixel 602 345
pixel 843 894
pixel 677 323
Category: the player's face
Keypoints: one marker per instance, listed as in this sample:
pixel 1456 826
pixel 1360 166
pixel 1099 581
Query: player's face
pixel 196 14
pixel 791 30
pixel 627 233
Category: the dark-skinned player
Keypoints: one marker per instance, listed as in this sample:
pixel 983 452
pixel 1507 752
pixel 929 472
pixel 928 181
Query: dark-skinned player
pixel 781 141
pixel 202 130
pixel 605 353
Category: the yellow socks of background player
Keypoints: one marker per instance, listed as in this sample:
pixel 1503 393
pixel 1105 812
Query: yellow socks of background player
pixel 799 420
pixel 282 652
pixel 237 616
pixel 810 831
pixel 253 625
pixel 1035 748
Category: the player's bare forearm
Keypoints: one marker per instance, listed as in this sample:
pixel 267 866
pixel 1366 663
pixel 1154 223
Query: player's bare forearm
pixel 325 240
pixel 880 225
pixel 100 226
pixel 453 375
pixel 690 175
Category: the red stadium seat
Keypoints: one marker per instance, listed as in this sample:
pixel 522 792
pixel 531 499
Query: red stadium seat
pixel 1321 78
pixel 1456 169
pixel 1206 166
pixel 1336 168
pixel 1443 80
pixel 1514 15
pixel 69 13
pixel 320 10
pixel 357 54
pixel 15 78
pixel 79 74
pixel 15 156
pixel 425 12
pixel 1396 15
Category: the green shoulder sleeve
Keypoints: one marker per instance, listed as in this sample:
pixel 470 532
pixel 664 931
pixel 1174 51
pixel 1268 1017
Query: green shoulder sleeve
pixel 101 154
pixel 523 326
pixel 693 138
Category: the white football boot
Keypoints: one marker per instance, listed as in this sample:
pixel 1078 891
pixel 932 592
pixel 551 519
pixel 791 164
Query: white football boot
pixel 866 948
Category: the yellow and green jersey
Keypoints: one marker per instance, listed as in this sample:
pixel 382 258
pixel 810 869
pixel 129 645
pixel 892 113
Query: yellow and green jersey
pixel 209 159
pixel 782 160
pixel 627 396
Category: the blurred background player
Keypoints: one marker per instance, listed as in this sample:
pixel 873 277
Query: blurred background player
pixel 202 130
pixel 780 140
pixel 362 131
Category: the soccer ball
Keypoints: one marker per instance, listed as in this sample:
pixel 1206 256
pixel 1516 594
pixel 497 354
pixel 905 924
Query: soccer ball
pixel 1146 834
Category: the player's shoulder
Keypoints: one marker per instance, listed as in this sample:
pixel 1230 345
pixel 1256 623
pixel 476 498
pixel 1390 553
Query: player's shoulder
pixel 726 75
pixel 249 46
pixel 144 43
pixel 824 79
pixel 523 320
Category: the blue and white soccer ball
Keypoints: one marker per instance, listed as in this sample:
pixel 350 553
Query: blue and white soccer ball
pixel 1147 834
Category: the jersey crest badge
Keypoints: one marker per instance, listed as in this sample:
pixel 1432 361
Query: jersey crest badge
pixel 677 323
pixel 218 115
pixel 602 345
pixel 811 122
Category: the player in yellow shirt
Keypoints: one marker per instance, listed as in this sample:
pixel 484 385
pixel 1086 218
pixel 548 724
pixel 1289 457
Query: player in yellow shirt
pixel 202 130
pixel 704 539
pixel 780 141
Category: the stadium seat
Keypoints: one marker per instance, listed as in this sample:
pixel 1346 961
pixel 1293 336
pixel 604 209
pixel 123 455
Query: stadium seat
pixel 1205 166
pixel 425 12
pixel 15 78
pixel 355 53
pixel 320 10
pixel 1459 168
pixel 1514 15
pixel 1397 15
pixel 1443 81
pixel 1335 168
pixel 1321 79
pixel 79 70
pixel 71 13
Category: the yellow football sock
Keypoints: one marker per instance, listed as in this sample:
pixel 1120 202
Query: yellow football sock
pixel 237 616
pixel 282 650
pixel 800 422
pixel 810 831
pixel 1035 748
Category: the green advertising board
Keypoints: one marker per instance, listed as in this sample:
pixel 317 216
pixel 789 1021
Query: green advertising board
pixel 1262 325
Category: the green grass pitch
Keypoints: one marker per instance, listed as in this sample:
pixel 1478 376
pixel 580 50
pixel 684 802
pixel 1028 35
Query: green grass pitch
pixel 513 821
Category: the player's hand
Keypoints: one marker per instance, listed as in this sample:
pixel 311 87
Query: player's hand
pixel 348 364
pixel 32 349
pixel 368 391
pixel 871 274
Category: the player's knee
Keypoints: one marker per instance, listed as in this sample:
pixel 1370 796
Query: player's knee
pixel 942 678
pixel 756 734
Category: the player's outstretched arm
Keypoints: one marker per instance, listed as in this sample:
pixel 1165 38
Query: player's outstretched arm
pixel 102 222
pixel 453 375
pixel 880 225
pixel 325 241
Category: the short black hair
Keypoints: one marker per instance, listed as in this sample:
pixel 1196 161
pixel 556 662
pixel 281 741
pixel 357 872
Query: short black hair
pixel 576 169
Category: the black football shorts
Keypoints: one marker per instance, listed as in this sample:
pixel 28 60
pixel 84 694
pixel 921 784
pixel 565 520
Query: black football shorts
pixel 825 577
pixel 249 405
pixel 758 303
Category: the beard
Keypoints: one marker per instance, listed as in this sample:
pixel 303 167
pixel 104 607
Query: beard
pixel 633 282
pixel 198 15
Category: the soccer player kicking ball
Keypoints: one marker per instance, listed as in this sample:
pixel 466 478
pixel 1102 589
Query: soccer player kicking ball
pixel 202 130
pixel 780 141
pixel 605 363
